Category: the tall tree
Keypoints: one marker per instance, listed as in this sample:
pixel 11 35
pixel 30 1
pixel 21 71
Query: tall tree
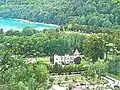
pixel 94 47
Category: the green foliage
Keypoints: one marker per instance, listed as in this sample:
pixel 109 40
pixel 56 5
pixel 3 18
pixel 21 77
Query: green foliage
pixel 114 66
pixel 85 12
pixel 77 60
pixel 67 68
pixel 98 68
pixel 41 44
pixel 13 33
pixel 28 31
pixel 116 38
pixel 64 43
pixel 25 45
pixel 25 76
pixel 1 31
pixel 9 33
pixel 51 80
pixel 94 47
pixel 66 78
pixel 16 73
pixel 85 28
pixel 21 86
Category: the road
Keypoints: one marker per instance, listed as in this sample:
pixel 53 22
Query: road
pixel 111 81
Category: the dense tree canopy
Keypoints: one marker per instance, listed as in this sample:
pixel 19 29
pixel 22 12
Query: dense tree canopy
pixel 16 73
pixel 85 25
pixel 85 12
pixel 94 47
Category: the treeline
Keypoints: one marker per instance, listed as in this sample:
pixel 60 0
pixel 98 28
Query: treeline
pixel 44 43
pixel 85 28
pixel 27 31
pixel 99 13
pixel 50 42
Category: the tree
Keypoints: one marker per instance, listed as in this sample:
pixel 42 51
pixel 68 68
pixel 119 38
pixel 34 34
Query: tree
pixel 117 19
pixel 28 31
pixel 16 33
pixel 113 66
pixel 82 20
pixel 117 0
pixel 98 68
pixel 77 60
pixel 106 9
pixel 46 11
pixel 51 80
pixel 52 59
pixel 94 47
pixel 93 21
pixel 13 33
pixel 56 68
pixel 9 33
pixel 107 23
pixel 116 38
pixel 19 73
pixel 1 31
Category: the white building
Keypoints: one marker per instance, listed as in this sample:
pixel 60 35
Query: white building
pixel 66 59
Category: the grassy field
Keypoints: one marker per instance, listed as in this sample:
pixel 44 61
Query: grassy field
pixel 44 59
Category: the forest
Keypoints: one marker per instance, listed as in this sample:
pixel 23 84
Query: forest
pixel 90 26
pixel 100 13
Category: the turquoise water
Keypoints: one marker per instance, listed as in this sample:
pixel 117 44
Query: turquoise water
pixel 7 24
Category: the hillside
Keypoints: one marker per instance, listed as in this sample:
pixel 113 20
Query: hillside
pixel 102 13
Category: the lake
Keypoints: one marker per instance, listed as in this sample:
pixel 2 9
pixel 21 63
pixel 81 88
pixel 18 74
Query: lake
pixel 7 24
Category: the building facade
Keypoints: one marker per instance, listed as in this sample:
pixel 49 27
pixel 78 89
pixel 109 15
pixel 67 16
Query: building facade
pixel 66 59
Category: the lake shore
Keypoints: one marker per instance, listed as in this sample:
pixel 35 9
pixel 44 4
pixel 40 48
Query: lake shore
pixel 19 24
pixel 23 20
pixel 27 21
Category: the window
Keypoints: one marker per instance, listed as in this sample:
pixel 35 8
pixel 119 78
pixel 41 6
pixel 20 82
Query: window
pixel 61 58
pixel 70 58
pixel 59 62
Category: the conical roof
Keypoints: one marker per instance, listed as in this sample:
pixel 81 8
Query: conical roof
pixel 76 52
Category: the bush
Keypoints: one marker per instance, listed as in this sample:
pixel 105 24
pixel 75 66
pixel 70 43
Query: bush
pixel 67 68
pixel 51 80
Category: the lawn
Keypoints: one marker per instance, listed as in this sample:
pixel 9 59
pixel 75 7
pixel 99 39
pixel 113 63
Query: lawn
pixel 44 59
